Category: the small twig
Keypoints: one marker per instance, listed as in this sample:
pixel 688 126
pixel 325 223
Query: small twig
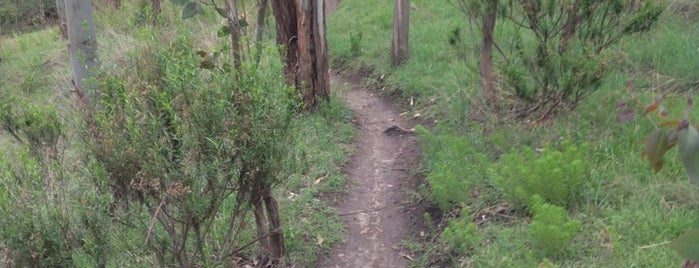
pixel 406 256
pixel 152 221
pixel 359 211
pixel 655 245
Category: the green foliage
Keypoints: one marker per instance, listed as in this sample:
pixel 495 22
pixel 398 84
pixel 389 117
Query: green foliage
pixel 550 230
pixel 461 235
pixel 665 136
pixel 456 167
pixel 355 40
pixel 45 225
pixel 556 176
pixel 20 15
pixel 556 54
pixel 37 127
pixel 625 208
pixel 187 144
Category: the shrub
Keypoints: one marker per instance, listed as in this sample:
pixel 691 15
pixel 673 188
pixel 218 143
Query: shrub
pixel 456 166
pixel 47 215
pixel 461 235
pixel 550 230
pixel 556 176
pixel 554 52
pixel 192 147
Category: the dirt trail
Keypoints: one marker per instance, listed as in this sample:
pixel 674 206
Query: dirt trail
pixel 375 210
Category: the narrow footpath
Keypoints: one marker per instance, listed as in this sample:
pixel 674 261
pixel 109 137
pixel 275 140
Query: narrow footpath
pixel 375 210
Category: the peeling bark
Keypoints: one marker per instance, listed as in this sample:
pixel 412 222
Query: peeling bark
pixel 301 32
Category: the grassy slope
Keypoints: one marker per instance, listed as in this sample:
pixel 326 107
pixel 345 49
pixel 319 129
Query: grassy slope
pixel 34 68
pixel 626 206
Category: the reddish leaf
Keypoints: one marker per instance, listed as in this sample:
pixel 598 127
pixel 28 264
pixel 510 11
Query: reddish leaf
pixel 672 123
pixel 620 103
pixel 625 115
pixel 651 107
pixel 629 84
pixel 683 125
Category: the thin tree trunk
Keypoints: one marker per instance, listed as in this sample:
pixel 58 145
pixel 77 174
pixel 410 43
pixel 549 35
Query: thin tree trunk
pixel 260 220
pixel 286 23
pixel 276 239
pixel 312 70
pixel 259 29
pixel 488 79
pixel 301 31
pixel 82 47
pixel 401 24
pixel 234 25
pixel 155 5
pixel 61 12
pixel 42 12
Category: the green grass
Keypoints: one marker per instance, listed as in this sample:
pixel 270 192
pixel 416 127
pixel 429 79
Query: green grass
pixel 627 212
pixel 35 68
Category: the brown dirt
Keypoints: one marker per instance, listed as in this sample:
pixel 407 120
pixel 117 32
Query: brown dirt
pixel 376 212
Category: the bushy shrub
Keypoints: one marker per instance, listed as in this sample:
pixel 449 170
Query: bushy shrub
pixel 556 176
pixel 46 215
pixel 191 146
pixel 455 167
pixel 550 230
pixel 461 235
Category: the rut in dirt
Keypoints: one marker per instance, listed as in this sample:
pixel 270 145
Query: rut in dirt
pixel 375 210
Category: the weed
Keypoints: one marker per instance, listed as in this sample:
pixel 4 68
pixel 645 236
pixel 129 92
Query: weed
pixel 355 40
pixel 461 235
pixel 551 231
pixel 556 176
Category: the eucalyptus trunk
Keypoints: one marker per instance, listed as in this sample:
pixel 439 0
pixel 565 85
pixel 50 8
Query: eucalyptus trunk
pixel 488 79
pixel 301 32
pixel 61 12
pixel 82 46
pixel 401 19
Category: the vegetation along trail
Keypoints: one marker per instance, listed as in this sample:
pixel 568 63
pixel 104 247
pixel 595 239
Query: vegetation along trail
pixel 375 210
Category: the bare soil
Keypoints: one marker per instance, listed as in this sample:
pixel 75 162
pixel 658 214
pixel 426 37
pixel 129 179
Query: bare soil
pixel 376 211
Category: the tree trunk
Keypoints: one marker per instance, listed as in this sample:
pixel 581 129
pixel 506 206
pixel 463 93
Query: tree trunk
pixel 285 18
pixel 234 25
pixel 260 220
pixel 116 3
pixel 301 31
pixel 82 47
pixel 488 79
pixel 401 19
pixel 312 70
pixel 155 4
pixel 276 239
pixel 259 29
pixel 61 12
pixel 42 12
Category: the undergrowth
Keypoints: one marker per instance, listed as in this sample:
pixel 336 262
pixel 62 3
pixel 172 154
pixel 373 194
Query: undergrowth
pixel 57 208
pixel 601 205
